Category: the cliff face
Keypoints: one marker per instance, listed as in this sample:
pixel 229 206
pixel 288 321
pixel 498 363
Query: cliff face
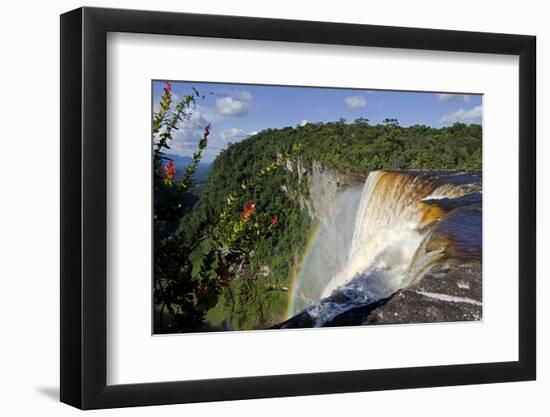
pixel 450 290
pixel 321 185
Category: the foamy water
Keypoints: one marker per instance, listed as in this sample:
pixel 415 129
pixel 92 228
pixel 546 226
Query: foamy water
pixel 370 248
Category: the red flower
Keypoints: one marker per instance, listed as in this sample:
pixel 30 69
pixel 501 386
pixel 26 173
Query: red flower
pixel 203 288
pixel 248 210
pixel 225 279
pixel 167 88
pixel 274 220
pixel 207 130
pixel 169 171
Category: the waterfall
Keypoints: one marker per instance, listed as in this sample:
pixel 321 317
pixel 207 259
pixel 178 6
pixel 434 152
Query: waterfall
pixel 328 250
pixel 389 227
pixel 375 241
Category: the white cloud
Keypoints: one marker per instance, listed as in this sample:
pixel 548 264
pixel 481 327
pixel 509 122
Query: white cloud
pixel 186 137
pixel 189 131
pixel 304 122
pixel 229 106
pixel 462 116
pixel 242 95
pixel 209 114
pixel 197 119
pixel 356 102
pixel 234 103
pixel 184 141
pixel 229 103
pixel 230 134
pixel 460 98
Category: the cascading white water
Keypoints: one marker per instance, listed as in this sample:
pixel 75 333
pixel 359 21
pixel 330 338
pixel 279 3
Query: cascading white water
pixel 390 225
pixel 388 229
pixel 452 191
pixel 373 245
pixel 329 250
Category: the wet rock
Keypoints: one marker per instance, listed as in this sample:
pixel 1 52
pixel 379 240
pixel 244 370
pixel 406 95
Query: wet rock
pixel 449 293
pixel 356 316
pixel 299 321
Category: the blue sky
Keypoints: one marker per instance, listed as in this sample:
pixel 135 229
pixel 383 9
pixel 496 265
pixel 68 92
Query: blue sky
pixel 237 111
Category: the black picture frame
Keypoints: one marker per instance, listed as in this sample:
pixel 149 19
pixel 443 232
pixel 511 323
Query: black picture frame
pixel 84 207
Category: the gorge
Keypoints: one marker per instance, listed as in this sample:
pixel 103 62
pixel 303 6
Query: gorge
pixel 374 225
pixel 383 241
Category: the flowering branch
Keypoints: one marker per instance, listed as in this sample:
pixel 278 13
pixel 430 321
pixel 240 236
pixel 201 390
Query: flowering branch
pixel 190 271
pixel 186 181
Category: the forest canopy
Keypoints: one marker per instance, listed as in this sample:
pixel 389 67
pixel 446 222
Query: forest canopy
pixel 257 299
pixel 361 146
pixel 226 250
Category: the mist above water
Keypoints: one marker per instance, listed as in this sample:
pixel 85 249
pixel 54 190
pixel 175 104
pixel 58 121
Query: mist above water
pixel 374 240
pixel 330 249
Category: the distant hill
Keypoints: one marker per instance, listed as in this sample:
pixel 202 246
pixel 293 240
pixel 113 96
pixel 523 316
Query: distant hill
pixel 180 161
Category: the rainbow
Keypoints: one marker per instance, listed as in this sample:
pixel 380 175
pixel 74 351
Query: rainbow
pixel 373 228
pixel 337 210
pixel 296 272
